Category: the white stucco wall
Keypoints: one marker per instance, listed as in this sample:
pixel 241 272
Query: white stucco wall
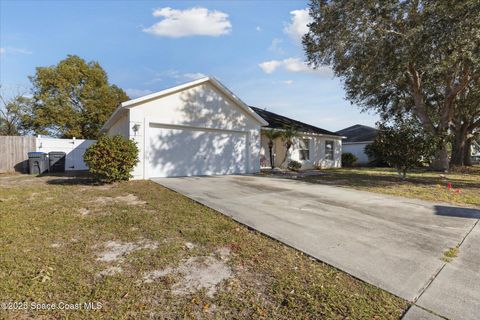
pixel 120 126
pixel 202 106
pixel 358 149
pixel 317 152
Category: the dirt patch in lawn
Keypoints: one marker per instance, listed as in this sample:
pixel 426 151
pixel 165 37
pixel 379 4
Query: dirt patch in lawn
pixel 197 273
pixel 128 199
pixel 116 251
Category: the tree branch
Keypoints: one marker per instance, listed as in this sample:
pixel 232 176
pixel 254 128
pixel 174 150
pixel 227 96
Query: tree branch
pixel 415 87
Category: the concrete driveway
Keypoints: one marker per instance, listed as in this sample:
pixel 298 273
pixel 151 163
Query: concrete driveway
pixel 394 243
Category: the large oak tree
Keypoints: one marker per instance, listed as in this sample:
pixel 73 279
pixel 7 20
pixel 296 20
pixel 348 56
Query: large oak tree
pixel 72 99
pixel 394 56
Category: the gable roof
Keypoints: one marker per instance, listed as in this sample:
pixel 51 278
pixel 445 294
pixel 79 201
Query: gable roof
pixel 276 121
pixel 135 102
pixel 358 133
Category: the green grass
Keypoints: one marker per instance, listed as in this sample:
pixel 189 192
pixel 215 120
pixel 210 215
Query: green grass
pixel 49 254
pixel 420 184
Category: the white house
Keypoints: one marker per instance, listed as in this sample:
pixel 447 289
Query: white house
pixel 197 128
pixel 313 148
pixel 357 137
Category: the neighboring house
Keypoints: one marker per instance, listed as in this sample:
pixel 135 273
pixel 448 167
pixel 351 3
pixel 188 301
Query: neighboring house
pixel 475 152
pixel 357 138
pixel 315 147
pixel 197 128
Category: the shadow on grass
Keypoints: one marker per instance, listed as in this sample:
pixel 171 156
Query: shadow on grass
pixel 69 178
pixel 372 179
pixel 457 212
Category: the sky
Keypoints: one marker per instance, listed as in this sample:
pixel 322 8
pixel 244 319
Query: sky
pixel 253 48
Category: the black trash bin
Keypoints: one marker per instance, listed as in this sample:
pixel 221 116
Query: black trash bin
pixel 57 161
pixel 37 162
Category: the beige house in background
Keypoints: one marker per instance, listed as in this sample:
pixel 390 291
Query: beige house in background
pixel 314 148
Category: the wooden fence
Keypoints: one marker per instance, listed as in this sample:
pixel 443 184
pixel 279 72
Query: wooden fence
pixel 13 152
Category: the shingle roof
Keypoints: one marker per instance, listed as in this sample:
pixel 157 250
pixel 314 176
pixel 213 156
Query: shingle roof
pixel 277 121
pixel 358 133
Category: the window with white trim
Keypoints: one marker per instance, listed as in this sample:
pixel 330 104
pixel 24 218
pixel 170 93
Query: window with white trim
pixel 329 150
pixel 304 149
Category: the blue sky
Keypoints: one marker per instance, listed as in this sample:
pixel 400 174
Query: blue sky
pixel 146 46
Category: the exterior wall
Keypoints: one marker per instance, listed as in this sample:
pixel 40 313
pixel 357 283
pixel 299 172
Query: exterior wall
pixel 358 149
pixel 120 127
pixel 317 152
pixel 198 107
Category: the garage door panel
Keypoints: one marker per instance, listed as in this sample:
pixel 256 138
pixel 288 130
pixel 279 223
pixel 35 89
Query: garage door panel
pixel 189 152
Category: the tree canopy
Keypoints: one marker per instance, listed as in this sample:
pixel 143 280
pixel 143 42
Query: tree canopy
pixel 402 144
pixel 72 99
pixel 12 112
pixel 393 57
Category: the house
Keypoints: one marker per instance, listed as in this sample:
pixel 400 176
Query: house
pixel 314 148
pixel 357 138
pixel 199 128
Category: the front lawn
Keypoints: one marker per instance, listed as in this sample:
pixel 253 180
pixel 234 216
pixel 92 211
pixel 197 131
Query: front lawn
pixel 137 250
pixel 421 184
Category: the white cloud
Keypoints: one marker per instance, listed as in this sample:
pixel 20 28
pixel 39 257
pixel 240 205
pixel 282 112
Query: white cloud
pixel 270 66
pixel 135 93
pixel 19 50
pixel 189 22
pixel 258 28
pixel 293 65
pixel 276 46
pixel 194 76
pixel 14 50
pixel 298 24
pixel 288 82
pixel 296 65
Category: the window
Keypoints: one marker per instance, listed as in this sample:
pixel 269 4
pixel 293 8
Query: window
pixel 329 150
pixel 304 149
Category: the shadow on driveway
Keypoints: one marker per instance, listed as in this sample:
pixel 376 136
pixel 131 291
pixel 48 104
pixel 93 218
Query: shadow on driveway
pixel 457 212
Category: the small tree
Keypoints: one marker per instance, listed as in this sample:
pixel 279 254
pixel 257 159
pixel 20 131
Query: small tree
pixel 12 114
pixel 348 159
pixel 272 135
pixel 111 158
pixel 288 135
pixel 403 145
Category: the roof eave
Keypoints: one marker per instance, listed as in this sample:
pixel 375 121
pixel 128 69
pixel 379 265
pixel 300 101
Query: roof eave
pixel 308 133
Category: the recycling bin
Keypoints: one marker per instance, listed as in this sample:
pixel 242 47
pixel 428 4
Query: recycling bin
pixel 57 161
pixel 37 162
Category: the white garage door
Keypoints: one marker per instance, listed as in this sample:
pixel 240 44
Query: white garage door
pixel 175 152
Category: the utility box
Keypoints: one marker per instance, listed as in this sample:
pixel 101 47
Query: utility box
pixel 37 162
pixel 57 161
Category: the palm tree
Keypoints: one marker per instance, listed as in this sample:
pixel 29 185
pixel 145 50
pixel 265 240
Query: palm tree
pixel 271 135
pixel 288 134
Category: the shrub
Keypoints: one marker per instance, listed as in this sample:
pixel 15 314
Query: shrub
pixel 111 158
pixel 348 159
pixel 294 165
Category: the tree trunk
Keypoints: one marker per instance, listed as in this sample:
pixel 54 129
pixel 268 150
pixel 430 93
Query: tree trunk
pixel 458 146
pixel 440 162
pixel 467 155
pixel 270 149
pixel 287 155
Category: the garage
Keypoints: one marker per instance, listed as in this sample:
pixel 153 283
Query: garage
pixel 199 128
pixel 178 151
